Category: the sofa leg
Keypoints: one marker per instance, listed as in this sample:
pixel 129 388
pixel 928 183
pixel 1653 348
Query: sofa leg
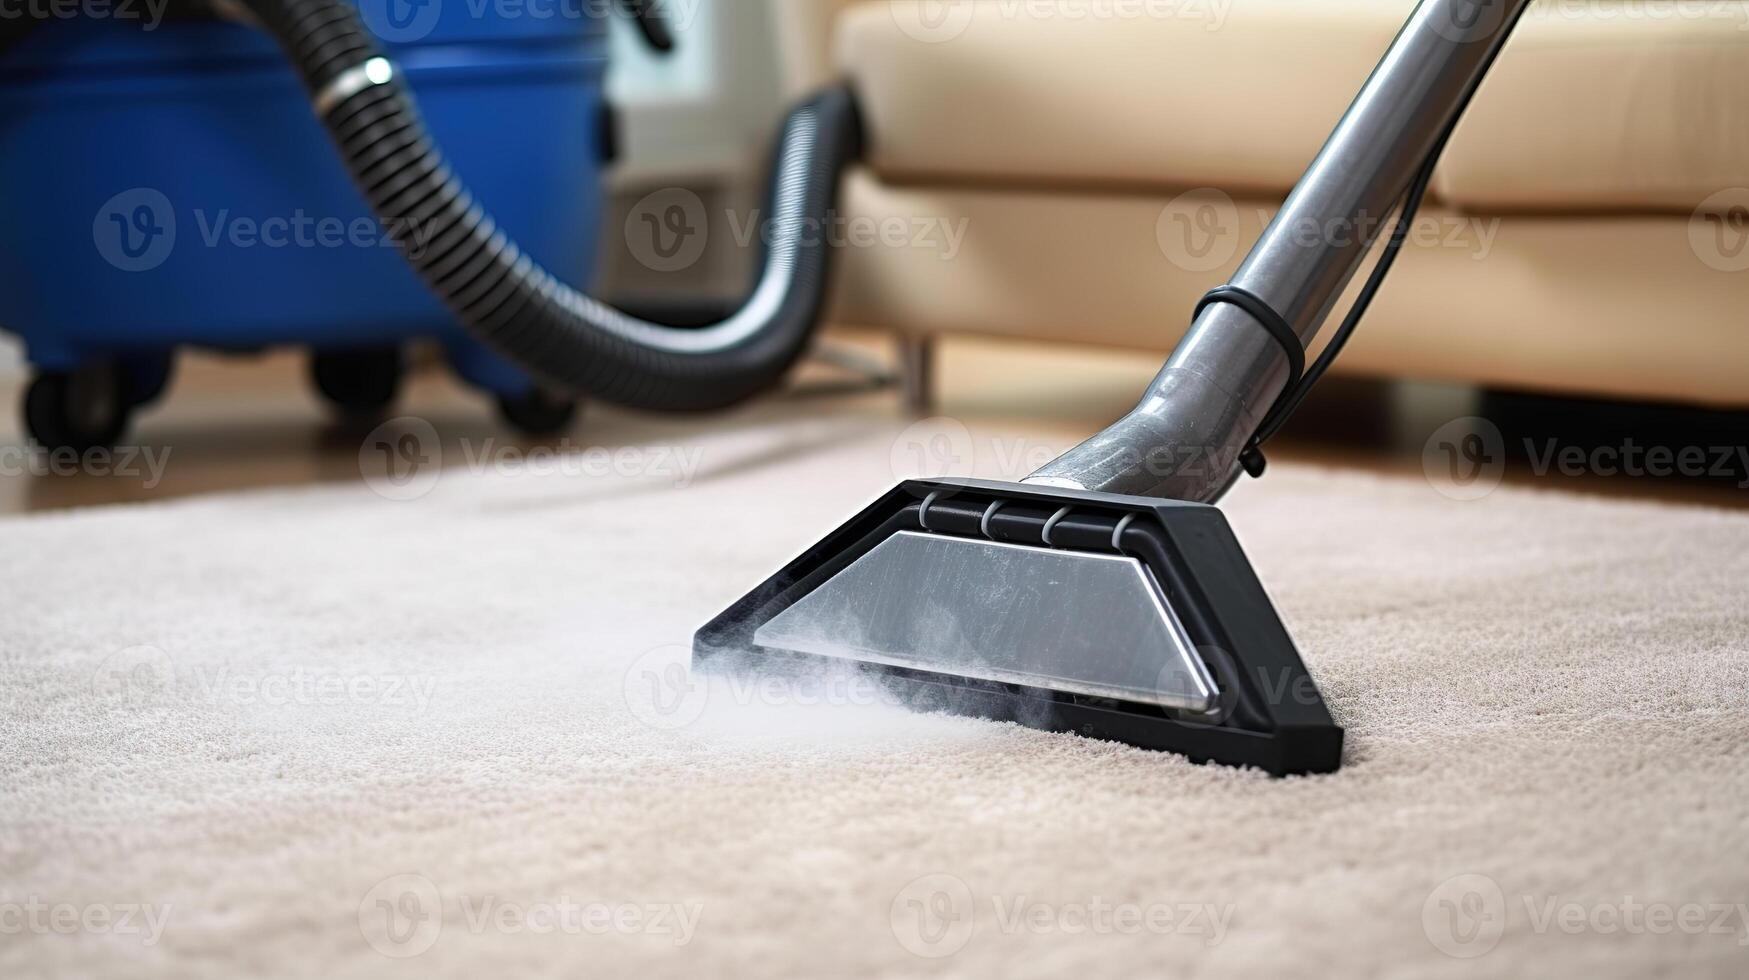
pixel 917 372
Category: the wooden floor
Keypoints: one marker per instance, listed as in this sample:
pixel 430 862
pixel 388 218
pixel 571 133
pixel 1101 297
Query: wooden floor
pixel 234 423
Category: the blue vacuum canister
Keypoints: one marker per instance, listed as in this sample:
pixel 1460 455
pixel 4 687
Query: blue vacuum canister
pixel 171 187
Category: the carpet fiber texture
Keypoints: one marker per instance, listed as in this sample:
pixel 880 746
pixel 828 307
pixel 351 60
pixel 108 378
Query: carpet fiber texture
pixel 329 733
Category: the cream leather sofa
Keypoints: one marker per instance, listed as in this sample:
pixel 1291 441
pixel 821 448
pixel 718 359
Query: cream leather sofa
pixel 1082 170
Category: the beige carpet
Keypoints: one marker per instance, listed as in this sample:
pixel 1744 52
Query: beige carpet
pixel 329 734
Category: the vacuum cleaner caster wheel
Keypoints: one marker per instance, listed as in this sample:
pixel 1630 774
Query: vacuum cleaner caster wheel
pixel 79 410
pixel 361 383
pixel 538 413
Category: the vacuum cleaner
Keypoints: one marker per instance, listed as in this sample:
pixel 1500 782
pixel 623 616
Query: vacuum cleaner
pixel 182 196
pixel 1105 594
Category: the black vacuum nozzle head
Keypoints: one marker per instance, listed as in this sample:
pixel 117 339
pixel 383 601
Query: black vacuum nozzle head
pixel 1126 618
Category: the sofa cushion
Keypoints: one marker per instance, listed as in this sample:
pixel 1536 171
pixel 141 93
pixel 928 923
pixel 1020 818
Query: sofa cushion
pixel 1518 301
pixel 1601 104
pixel 1610 104
pixel 1119 91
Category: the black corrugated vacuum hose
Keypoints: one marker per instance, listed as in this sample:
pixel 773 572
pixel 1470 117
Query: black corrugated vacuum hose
pixel 563 337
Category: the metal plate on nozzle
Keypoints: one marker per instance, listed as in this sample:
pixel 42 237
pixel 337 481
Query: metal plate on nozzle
pixel 1090 624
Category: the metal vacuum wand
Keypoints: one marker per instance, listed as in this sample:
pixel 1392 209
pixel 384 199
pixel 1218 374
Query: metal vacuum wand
pixel 1184 439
